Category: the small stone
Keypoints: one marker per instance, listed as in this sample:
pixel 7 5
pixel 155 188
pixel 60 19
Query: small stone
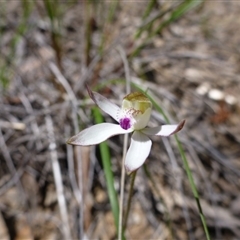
pixel 193 75
pixel 230 99
pixel 203 88
pixel 216 94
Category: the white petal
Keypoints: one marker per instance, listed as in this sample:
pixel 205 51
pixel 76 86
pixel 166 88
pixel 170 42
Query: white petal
pixel 138 152
pixel 96 134
pixel 142 120
pixel 164 130
pixel 103 103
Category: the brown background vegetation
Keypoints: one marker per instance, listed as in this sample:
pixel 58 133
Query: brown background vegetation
pixel 191 67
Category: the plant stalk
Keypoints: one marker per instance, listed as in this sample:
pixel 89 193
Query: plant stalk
pixel 133 176
pixel 120 226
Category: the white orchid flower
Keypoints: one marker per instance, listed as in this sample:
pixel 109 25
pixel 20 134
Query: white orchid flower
pixel 133 116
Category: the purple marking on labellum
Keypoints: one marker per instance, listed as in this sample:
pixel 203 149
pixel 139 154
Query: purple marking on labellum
pixel 125 123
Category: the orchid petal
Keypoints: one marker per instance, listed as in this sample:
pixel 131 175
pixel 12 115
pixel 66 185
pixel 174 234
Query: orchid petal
pixel 164 130
pixel 138 152
pixel 103 103
pixel 97 134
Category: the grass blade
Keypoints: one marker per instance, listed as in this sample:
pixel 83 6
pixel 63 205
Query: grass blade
pixel 175 14
pixel 106 160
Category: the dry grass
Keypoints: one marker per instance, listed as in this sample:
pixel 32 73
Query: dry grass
pixel 44 103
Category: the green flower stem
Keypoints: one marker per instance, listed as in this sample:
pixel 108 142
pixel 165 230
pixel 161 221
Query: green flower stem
pixel 120 225
pixel 130 195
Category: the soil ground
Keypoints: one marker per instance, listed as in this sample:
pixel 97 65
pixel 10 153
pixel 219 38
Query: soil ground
pixel 192 69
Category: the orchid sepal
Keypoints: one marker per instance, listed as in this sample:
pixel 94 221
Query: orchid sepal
pixel 164 130
pixel 97 134
pixel 107 106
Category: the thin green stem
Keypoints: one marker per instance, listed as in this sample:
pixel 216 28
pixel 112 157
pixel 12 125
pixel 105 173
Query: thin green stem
pixel 128 88
pixel 130 195
pixel 120 226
